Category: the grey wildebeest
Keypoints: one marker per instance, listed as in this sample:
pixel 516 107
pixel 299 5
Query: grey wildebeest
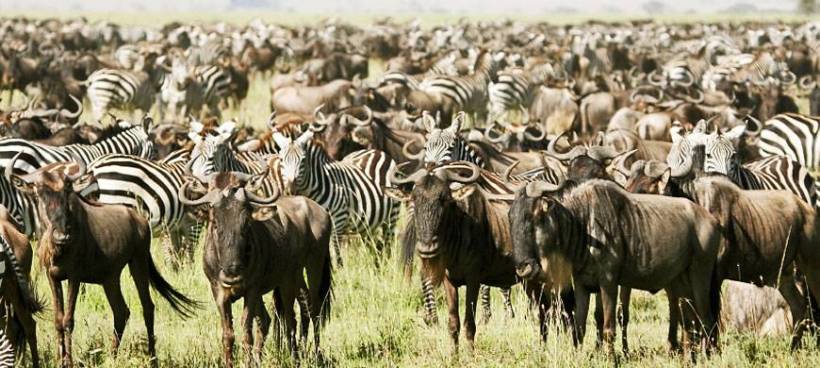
pixel 461 235
pixel 765 231
pixel 603 237
pixel 334 95
pixel 89 243
pixel 255 245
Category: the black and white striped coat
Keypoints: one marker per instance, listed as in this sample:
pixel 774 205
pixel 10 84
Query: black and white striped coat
pixel 120 88
pixel 795 136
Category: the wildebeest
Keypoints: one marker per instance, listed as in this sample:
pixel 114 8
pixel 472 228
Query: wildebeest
pixel 88 243
pixel 461 236
pixel 258 244
pixel 603 237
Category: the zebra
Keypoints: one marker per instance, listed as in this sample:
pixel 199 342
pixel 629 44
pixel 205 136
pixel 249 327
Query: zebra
pixel 769 173
pixel 32 156
pixel 188 90
pixel 443 66
pixel 514 89
pixel 108 88
pixel 795 136
pixel 467 93
pixel 352 194
pixel 6 351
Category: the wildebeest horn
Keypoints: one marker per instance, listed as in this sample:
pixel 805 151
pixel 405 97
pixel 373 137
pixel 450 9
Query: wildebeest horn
pixel 654 169
pixel 807 82
pixel 259 200
pixel 601 153
pixel 790 78
pixel 654 78
pixel 72 115
pixel 412 178
pixel 82 167
pixel 447 172
pixel 501 138
pixel 621 166
pixel 689 81
pixel 365 122
pixel 318 115
pixel 405 149
pixel 533 137
pixel 509 170
pixel 569 156
pixel 695 100
pixel 207 198
pixel 537 188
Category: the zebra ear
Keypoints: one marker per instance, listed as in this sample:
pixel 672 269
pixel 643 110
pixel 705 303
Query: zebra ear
pixel 280 140
pixel 676 134
pixel 305 137
pixel 664 180
pixel 196 126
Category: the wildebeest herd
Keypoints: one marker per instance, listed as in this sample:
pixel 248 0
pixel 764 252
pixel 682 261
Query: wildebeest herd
pixel 573 160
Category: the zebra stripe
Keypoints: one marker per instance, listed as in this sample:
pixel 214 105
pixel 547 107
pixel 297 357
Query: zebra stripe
pixel 109 88
pixel 215 82
pixel 469 93
pixel 514 89
pixel 795 136
pixel 6 351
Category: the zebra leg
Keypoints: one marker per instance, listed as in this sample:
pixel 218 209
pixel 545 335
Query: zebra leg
pixel 427 292
pixel 334 239
pixel 487 313
pixel 505 294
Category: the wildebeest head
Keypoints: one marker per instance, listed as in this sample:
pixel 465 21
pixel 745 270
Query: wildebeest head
pixel 53 186
pixel 435 194
pixel 585 163
pixel 336 130
pixel 649 177
pixel 233 206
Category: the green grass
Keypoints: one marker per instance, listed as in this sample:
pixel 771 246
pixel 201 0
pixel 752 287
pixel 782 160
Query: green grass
pixel 376 322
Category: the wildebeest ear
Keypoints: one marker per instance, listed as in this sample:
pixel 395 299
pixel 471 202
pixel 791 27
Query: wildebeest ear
pixel 664 180
pixel 464 192
pixel 263 213
pixel 397 194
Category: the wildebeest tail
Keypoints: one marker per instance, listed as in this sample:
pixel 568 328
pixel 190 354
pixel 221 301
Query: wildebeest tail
pixel 183 305
pixel 326 291
pixel 408 247
pixel 26 290
pixel 714 301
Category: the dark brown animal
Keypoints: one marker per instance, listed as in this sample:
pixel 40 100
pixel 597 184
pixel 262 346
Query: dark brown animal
pixel 89 243
pixel 252 248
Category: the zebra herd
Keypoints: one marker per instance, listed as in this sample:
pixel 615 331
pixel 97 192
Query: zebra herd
pixel 453 136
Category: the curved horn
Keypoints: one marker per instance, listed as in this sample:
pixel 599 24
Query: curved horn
pixel 509 170
pixel 73 115
pixel 365 122
pixel 183 198
pixel 318 115
pixel 790 78
pixel 259 200
pixel 405 149
pixel 807 82
pixel 602 153
pixel 655 79
pixel 572 154
pixel 445 172
pixel 82 167
pixel 695 100
pixel 412 178
pixel 533 137
pixel 537 189
pixel 621 166
pixel 501 138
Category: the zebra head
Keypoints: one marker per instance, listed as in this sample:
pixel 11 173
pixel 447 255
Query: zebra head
pixel 720 155
pixel 441 142
pixel 291 159
pixel 206 143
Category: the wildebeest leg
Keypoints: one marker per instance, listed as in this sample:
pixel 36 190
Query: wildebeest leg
pixel 452 310
pixel 57 302
pixel 262 332
pixel 674 321
pixel 224 305
pixel 487 312
pixel 119 309
pixel 609 299
pixel 797 305
pixel 68 318
pixel 624 296
pixel 248 316
pixel 581 311
pixel 700 281
pixel 277 320
pixel 288 318
pixel 812 279
pixel 304 314
pixel 598 314
pixel 140 274
pixel 471 298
